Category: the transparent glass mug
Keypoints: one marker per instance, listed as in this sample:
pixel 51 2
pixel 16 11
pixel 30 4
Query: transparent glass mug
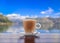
pixel 30 26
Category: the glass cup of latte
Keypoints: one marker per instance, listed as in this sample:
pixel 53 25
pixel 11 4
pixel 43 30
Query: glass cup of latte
pixel 30 26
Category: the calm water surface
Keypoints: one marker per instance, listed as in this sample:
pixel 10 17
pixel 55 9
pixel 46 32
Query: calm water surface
pixel 16 28
pixel 15 38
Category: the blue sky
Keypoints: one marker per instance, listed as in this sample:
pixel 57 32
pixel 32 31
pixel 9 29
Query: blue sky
pixel 30 7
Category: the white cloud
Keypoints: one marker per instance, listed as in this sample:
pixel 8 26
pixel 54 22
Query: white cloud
pixel 49 11
pixel 16 16
pixel 46 13
pixel 43 12
pixel 13 16
pixel 55 16
pixel 58 13
pixel 35 16
pixel 47 16
pixel 1 13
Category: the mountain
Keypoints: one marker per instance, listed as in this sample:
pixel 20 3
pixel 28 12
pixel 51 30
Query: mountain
pixel 16 20
pixel 56 22
pixel 4 19
pixel 47 23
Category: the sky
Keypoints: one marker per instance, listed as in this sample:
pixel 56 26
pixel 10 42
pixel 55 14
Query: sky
pixel 33 8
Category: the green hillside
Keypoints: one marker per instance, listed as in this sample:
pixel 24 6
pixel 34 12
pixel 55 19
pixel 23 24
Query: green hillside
pixel 4 20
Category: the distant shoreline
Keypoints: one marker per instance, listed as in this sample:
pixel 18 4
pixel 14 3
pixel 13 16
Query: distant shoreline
pixel 1 23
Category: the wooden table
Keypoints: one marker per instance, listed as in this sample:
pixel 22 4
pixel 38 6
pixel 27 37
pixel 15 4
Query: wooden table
pixel 16 38
pixel 43 38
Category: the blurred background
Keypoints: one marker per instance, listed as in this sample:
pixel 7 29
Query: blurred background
pixel 13 24
pixel 45 12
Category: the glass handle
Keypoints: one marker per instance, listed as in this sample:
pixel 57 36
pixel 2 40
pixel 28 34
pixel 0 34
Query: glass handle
pixel 38 25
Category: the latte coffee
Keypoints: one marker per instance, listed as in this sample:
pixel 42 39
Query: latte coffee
pixel 29 26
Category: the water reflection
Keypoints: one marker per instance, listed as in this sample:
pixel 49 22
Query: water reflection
pixel 19 28
pixel 10 28
pixel 14 28
pixel 29 39
pixel 3 28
